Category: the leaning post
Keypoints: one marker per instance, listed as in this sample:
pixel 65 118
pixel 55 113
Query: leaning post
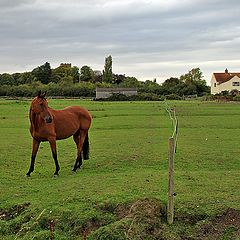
pixel 170 205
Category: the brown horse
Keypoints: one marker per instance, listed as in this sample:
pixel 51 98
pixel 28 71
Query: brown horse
pixel 50 125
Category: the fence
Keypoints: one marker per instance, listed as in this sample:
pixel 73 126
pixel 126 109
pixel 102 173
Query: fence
pixel 172 148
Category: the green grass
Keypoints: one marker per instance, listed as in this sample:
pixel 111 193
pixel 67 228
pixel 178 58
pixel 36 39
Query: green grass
pixel 128 161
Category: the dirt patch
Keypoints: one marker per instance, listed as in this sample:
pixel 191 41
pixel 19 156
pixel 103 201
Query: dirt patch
pixel 119 210
pixel 147 207
pixel 225 226
pixel 142 218
pixel 10 213
pixel 190 219
pixel 146 219
pixel 91 225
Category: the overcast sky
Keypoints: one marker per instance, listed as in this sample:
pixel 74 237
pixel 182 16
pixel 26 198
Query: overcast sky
pixel 147 38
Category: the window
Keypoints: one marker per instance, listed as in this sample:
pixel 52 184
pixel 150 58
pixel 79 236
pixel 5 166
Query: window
pixel 235 83
pixel 215 84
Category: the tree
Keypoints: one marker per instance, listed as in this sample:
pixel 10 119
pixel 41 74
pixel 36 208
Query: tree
pixel 17 78
pixel 67 81
pixel 98 77
pixel 118 78
pixel 130 82
pixel 192 76
pixel 195 83
pixel 6 79
pixel 75 74
pixel 86 74
pixel 43 73
pixel 107 72
pixel 173 85
pixel 26 77
pixel 150 87
pixel 65 71
pixel 171 82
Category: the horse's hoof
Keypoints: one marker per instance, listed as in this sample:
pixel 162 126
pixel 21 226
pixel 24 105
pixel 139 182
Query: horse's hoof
pixel 55 175
pixel 27 175
pixel 75 170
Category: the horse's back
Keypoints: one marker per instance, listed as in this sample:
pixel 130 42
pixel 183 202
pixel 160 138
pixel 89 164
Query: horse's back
pixel 69 120
pixel 78 110
pixel 81 113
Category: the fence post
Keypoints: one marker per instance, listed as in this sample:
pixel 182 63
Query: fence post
pixel 170 206
pixel 52 225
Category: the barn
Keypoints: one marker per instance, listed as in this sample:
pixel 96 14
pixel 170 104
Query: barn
pixel 107 92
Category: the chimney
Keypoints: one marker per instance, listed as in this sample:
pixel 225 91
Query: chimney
pixel 226 71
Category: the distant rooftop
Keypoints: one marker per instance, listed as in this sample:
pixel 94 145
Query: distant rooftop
pixel 66 65
pixel 226 76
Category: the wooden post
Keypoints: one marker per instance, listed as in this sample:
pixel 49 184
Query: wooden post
pixel 170 206
pixel 52 225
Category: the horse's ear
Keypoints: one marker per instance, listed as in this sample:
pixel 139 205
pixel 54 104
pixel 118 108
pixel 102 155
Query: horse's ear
pixel 44 94
pixel 39 93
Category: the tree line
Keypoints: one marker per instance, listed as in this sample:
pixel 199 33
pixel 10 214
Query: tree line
pixel 67 80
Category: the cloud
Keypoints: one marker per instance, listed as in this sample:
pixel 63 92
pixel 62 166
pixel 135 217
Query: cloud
pixel 147 38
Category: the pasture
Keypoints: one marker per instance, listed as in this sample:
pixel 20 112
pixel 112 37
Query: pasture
pixel 128 162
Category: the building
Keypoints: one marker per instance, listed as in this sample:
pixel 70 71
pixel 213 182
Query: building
pixel 107 92
pixel 66 65
pixel 225 81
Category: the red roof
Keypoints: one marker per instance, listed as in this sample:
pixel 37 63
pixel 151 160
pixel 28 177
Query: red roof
pixel 224 77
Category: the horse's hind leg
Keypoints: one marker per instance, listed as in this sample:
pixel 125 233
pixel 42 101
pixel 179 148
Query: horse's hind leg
pixel 35 146
pixel 78 163
pixel 79 138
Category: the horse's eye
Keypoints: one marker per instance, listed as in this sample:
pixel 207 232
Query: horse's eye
pixel 41 104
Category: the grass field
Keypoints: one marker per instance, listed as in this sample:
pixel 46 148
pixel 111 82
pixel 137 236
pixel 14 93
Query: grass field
pixel 128 161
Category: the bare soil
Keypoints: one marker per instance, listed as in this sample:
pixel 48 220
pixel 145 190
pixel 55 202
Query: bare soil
pixel 8 214
pixel 225 226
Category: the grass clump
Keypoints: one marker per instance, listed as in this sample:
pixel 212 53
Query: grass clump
pixel 143 220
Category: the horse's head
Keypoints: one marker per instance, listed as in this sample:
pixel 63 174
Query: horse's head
pixel 39 106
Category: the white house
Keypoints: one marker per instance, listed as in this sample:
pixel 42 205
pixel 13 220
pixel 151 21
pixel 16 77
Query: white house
pixel 225 82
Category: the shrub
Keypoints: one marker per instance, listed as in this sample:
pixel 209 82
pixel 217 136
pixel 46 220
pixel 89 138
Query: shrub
pixel 173 96
pixel 138 97
pixel 53 89
pixel 236 98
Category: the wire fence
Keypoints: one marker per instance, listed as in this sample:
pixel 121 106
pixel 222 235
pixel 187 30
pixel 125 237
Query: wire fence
pixel 172 114
pixel 172 148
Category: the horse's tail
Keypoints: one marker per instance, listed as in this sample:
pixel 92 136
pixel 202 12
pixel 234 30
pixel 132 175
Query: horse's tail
pixel 86 148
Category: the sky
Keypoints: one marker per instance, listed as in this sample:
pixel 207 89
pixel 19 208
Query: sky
pixel 147 39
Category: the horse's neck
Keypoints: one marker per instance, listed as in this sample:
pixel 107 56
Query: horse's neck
pixel 53 111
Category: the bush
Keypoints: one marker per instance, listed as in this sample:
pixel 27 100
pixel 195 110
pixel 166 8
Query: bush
pixel 53 89
pixel 236 98
pixel 148 97
pixel 173 97
pixel 138 97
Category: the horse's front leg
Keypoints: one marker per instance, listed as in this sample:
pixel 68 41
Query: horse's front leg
pixel 35 146
pixel 53 145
